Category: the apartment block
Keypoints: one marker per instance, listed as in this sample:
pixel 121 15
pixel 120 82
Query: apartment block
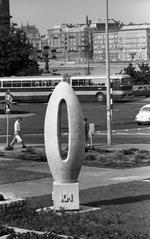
pixel 134 42
pixel 99 40
pixel 70 42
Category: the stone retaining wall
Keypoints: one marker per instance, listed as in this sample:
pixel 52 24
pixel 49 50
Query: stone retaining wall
pixel 12 206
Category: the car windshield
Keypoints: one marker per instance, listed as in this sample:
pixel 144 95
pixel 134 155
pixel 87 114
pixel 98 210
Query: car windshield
pixel 145 109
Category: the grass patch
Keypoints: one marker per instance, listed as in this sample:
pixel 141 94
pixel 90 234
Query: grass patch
pixel 124 213
pixel 12 171
pixel 13 176
pixel 120 221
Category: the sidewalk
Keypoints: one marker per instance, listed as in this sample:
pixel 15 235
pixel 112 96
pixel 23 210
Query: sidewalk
pixel 89 177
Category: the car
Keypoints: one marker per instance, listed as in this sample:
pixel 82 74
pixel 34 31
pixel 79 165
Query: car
pixel 143 117
pixel 141 90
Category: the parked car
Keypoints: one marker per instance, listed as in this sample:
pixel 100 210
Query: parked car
pixel 143 117
pixel 141 90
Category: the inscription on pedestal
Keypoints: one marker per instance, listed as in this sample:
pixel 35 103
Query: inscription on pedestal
pixel 66 196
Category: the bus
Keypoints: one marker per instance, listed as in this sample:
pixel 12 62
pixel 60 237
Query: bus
pixel 40 88
pixel 29 88
pixel 96 86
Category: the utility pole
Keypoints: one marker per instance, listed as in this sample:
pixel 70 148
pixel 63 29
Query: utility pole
pixel 109 132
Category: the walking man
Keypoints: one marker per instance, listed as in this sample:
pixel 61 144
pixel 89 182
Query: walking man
pixel 17 137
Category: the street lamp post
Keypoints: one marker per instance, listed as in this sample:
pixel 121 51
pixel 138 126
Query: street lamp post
pixel 109 133
pixel 88 63
pixel 46 55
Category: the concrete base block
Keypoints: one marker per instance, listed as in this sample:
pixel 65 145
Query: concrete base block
pixel 66 196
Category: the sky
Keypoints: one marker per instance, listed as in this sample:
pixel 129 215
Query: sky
pixel 45 14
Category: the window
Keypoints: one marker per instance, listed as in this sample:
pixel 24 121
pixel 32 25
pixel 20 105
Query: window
pixel 26 83
pixel 54 82
pixel 7 84
pixel 75 83
pixel 82 82
pixel 116 82
pixel 36 83
pixel 46 83
pixel 125 81
pixel 98 82
pixel 146 109
pixel 16 84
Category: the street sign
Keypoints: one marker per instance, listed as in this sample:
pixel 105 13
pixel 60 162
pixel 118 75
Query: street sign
pixel 7 108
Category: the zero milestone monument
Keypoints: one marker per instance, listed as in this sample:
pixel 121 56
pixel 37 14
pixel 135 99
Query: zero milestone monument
pixel 65 171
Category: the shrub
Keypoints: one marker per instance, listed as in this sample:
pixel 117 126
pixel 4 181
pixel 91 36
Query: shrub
pixel 91 225
pixel 102 151
pixel 90 157
pixel 130 151
pixel 5 231
pixel 32 235
pixel 97 157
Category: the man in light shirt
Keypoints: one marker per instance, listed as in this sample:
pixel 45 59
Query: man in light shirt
pixel 17 137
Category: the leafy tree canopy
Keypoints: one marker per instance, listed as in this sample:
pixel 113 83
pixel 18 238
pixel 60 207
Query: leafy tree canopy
pixel 139 74
pixel 15 54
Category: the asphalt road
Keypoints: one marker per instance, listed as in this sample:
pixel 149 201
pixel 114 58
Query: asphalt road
pixel 124 129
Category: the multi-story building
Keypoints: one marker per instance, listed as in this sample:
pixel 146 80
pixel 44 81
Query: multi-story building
pixel 134 42
pixel 71 42
pixel 99 40
pixel 82 42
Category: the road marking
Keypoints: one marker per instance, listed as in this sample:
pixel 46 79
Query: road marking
pixel 126 178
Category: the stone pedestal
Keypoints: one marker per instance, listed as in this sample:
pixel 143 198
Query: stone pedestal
pixel 66 196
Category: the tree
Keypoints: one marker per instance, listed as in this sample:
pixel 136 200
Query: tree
pixel 144 73
pixel 141 75
pixel 15 54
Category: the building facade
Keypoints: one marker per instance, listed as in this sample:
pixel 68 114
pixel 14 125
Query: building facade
pixel 4 15
pixel 85 42
pixel 99 40
pixel 134 43
pixel 71 42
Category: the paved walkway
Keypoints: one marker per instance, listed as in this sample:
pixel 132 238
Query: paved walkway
pixel 89 177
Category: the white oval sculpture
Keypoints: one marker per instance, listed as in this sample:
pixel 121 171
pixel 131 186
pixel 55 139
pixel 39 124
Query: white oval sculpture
pixel 64 171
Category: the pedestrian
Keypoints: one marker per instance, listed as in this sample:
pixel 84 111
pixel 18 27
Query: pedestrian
pixel 17 136
pixel 8 97
pixel 86 129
